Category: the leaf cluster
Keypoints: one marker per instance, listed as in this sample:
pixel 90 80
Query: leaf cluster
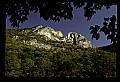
pixel 19 10
pixel 108 28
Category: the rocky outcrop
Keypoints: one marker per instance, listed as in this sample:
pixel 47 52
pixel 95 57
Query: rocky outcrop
pixel 50 33
pixel 77 39
pixel 38 35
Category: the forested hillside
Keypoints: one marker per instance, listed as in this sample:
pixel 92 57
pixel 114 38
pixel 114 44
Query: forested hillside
pixel 109 48
pixel 29 61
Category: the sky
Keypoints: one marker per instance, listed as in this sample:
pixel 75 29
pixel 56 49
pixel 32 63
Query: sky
pixel 78 24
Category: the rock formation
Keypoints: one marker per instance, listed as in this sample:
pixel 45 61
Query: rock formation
pixel 77 39
pixel 50 33
pixel 39 35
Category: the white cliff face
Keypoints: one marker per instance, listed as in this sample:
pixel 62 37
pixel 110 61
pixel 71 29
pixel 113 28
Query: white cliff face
pixel 78 39
pixel 47 33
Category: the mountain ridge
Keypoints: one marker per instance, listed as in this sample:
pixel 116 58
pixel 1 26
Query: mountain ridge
pixel 39 35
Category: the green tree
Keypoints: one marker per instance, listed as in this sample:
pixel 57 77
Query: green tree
pixel 18 10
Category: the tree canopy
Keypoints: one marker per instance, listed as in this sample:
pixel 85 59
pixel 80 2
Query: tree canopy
pixel 20 9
